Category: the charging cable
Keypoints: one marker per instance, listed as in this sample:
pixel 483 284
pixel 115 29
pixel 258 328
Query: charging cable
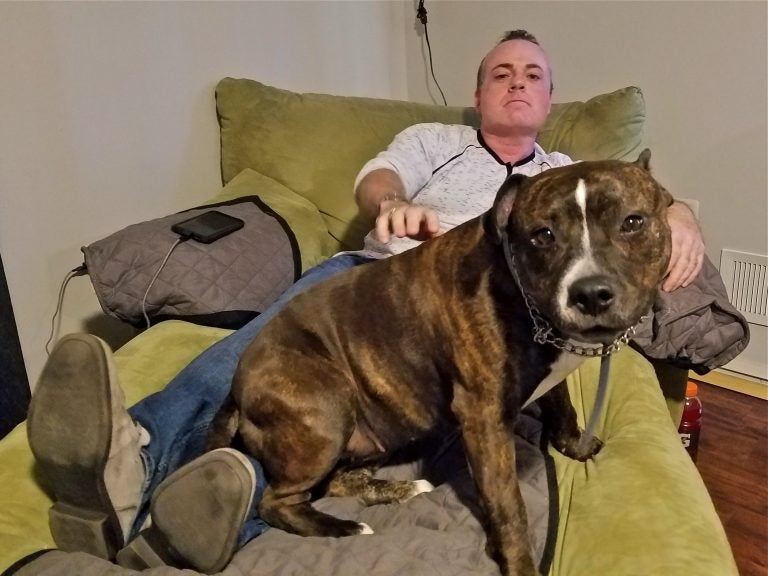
pixel 151 282
pixel 82 270
pixel 421 14
pixel 79 271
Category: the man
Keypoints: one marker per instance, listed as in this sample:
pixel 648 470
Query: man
pixel 104 463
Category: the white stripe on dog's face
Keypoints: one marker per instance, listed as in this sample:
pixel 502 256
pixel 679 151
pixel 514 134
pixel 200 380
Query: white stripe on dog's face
pixel 581 200
pixel 584 264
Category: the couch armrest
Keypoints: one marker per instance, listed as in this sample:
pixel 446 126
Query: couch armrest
pixel 639 506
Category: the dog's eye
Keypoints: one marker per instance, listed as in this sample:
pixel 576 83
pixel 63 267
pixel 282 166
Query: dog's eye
pixel 632 223
pixel 542 237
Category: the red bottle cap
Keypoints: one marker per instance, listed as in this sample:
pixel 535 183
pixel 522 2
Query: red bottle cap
pixel 691 389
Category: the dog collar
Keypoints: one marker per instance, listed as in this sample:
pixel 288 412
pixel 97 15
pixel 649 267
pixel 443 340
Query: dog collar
pixel 544 332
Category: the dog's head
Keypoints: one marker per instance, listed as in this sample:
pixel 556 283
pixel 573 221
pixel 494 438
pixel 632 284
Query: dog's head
pixel 590 241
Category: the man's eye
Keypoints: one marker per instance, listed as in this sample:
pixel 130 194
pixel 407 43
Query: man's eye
pixel 542 237
pixel 632 223
pixel 534 76
pixel 501 76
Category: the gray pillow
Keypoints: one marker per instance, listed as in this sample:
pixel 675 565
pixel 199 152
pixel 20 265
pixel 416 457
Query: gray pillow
pixel 225 283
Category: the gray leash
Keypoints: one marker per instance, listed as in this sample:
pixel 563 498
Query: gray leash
pixel 597 408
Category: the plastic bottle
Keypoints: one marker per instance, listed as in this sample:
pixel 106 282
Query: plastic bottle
pixel 690 423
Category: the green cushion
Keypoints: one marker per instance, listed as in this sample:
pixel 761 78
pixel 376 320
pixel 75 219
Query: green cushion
pixel 606 126
pixel 24 505
pixel 315 144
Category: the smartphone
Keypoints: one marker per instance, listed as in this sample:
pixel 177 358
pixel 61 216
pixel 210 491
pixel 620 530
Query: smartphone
pixel 208 226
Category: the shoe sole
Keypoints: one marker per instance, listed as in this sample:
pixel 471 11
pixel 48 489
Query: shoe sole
pixel 71 444
pixel 174 537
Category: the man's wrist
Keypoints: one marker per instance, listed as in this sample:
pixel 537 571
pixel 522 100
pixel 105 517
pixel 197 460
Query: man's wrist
pixel 391 200
pixel 392 197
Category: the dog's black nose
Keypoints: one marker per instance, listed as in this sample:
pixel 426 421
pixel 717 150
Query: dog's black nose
pixel 592 295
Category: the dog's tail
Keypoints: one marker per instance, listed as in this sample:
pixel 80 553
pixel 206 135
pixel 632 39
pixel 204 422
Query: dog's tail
pixel 224 425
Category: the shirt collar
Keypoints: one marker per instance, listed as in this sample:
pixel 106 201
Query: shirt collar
pixel 537 150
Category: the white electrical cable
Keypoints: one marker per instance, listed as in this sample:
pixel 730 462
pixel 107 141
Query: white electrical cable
pixel 151 282
pixel 79 271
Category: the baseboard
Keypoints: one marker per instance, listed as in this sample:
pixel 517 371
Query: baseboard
pixel 756 387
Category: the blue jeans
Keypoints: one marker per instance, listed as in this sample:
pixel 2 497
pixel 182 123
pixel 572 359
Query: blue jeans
pixel 177 417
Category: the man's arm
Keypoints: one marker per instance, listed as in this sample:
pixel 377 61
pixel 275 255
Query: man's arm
pixel 687 247
pixel 380 195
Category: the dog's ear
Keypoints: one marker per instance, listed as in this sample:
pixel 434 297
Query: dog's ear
pixel 644 160
pixel 496 220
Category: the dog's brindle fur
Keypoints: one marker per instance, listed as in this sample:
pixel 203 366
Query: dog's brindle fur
pixel 439 336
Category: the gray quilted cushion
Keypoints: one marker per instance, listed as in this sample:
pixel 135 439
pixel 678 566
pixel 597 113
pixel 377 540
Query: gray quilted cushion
pixel 225 283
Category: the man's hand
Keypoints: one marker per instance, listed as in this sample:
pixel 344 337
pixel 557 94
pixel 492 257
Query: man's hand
pixel 401 219
pixel 687 247
pixel 381 195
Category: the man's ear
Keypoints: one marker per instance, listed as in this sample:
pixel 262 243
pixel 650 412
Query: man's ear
pixel 644 160
pixel 498 217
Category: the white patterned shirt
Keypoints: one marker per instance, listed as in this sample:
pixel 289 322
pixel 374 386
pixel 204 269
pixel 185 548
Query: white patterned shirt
pixel 451 170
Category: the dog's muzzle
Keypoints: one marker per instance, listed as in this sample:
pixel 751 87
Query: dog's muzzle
pixel 593 293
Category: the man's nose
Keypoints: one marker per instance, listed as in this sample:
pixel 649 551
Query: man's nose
pixel 517 83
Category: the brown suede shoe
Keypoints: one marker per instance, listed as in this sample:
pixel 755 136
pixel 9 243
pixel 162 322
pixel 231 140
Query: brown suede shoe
pixel 86 447
pixel 197 513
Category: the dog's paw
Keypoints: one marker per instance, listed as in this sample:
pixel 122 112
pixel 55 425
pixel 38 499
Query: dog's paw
pixel 584 450
pixel 365 529
pixel 575 449
pixel 420 486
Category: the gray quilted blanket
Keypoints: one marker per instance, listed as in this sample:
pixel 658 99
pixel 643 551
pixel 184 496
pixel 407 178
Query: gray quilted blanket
pixel 433 534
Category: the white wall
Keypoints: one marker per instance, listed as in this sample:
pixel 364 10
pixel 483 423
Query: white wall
pixel 702 67
pixel 108 115
pixel 108 119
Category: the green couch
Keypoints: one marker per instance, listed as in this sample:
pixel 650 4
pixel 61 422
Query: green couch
pixel 639 508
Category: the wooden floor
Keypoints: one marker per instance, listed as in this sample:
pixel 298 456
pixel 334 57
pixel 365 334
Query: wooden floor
pixel 733 461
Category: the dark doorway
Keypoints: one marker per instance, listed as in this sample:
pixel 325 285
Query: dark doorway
pixel 14 386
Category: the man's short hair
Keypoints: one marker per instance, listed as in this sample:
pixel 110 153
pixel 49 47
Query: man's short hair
pixel 509 35
pixel 519 35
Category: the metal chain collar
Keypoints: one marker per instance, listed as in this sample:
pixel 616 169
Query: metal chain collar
pixel 544 333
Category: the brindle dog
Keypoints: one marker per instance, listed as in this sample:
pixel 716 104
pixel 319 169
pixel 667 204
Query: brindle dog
pixel 440 336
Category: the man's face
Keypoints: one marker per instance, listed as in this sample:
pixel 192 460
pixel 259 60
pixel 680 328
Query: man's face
pixel 514 95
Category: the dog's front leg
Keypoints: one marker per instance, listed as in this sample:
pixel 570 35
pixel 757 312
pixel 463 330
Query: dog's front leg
pixel 560 422
pixel 490 449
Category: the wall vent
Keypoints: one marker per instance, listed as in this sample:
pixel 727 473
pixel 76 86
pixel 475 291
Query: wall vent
pixel 746 279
